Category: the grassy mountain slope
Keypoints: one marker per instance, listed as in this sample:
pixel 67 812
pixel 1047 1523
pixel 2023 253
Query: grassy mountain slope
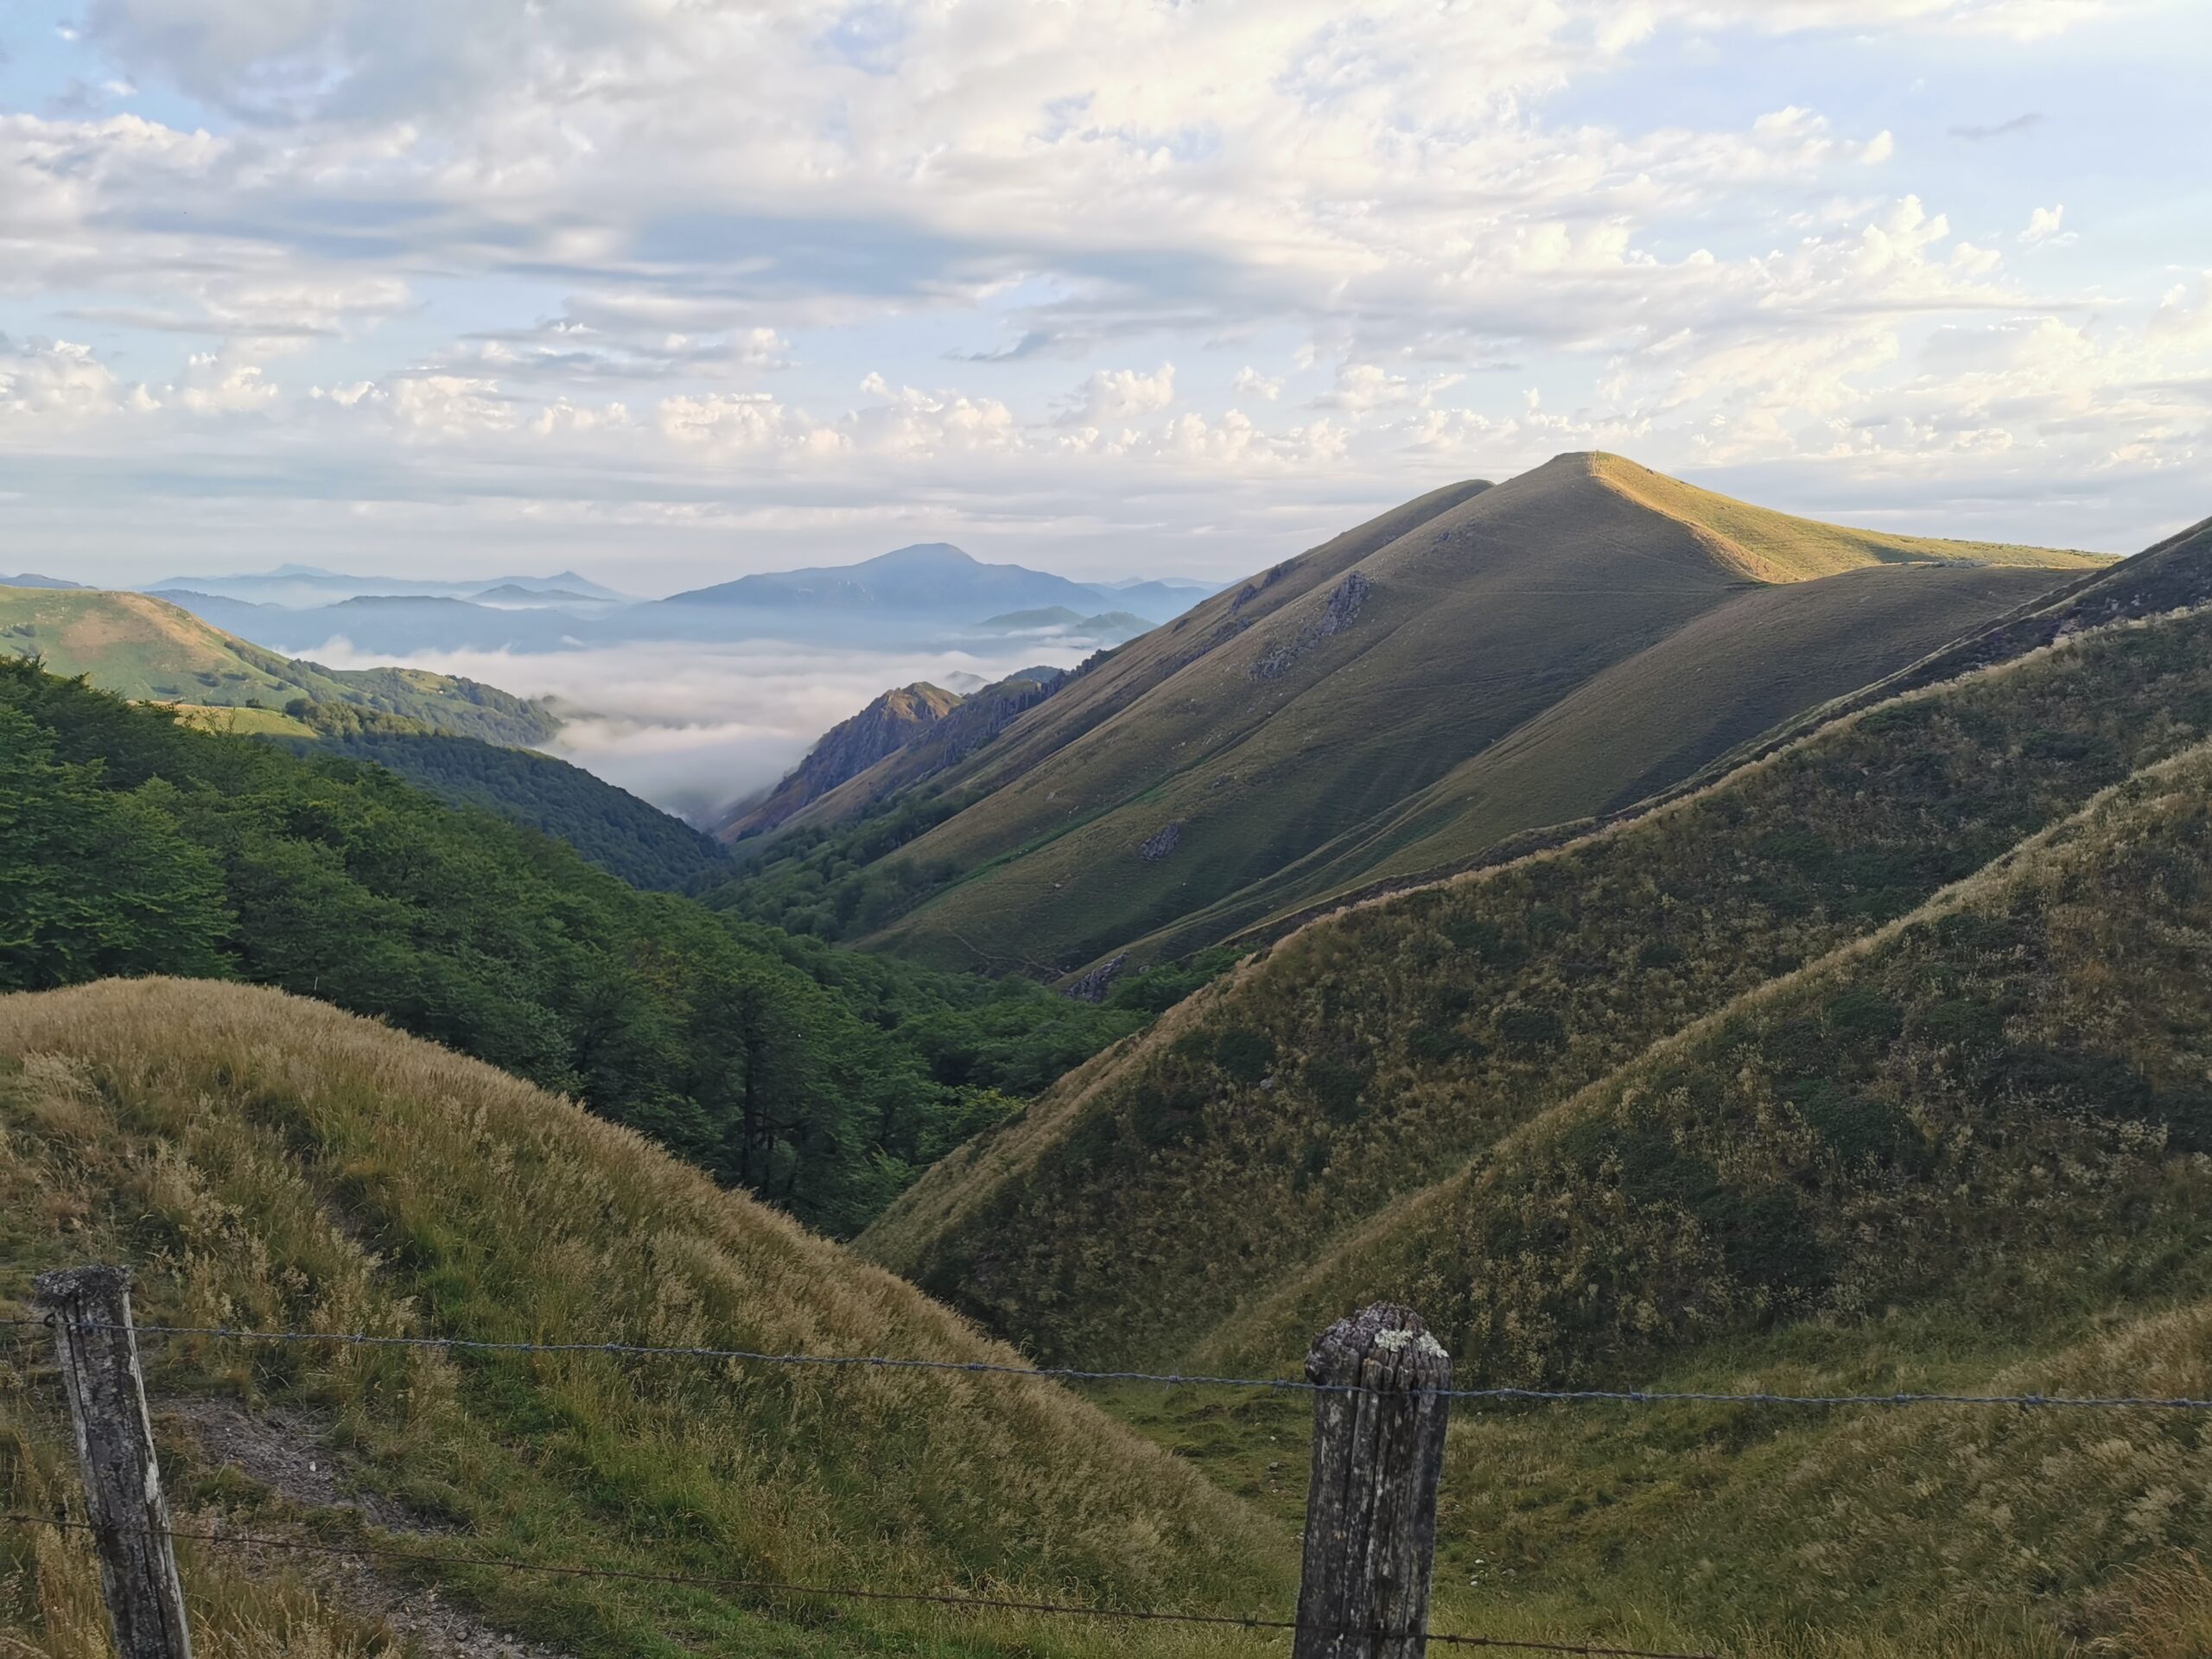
pixel 1781 547
pixel 2172 575
pixel 1287 723
pixel 1159 1189
pixel 148 650
pixel 1655 717
pixel 271 1162
pixel 1966 1154
pixel 1866 1133
pixel 1967 1151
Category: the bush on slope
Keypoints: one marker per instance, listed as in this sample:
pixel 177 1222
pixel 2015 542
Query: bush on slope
pixel 1157 1191
pixel 269 1162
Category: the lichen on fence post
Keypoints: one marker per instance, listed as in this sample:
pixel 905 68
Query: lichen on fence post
pixel 1379 1417
pixel 97 1354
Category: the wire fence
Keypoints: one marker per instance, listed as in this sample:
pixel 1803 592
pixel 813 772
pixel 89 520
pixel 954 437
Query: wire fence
pixel 840 1592
pixel 440 1561
pixel 1170 1379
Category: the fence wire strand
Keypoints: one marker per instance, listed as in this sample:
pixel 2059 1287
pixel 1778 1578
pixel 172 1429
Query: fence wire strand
pixel 841 1592
pixel 1299 1385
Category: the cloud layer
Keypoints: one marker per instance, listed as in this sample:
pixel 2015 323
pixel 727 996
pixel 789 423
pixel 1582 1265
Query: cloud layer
pixel 672 291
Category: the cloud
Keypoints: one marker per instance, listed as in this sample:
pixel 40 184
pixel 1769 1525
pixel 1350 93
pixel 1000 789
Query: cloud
pixel 1250 383
pixel 2024 122
pixel 1362 387
pixel 693 730
pixel 2043 228
pixel 1111 396
pixel 611 269
pixel 57 385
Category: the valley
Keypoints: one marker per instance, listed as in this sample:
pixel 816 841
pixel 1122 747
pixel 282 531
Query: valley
pixel 1747 1087
pixel 938 829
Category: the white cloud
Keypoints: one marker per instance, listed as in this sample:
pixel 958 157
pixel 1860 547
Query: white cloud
pixel 49 386
pixel 2044 228
pixel 616 263
pixel 1250 383
pixel 1115 395
pixel 1362 387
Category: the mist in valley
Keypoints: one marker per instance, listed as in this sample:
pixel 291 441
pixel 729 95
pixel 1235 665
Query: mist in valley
pixel 695 728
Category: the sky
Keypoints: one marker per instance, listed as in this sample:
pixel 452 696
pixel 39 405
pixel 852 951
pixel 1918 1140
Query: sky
pixel 669 291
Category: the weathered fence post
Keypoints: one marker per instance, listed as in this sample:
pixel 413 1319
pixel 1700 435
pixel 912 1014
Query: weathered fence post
pixel 97 1353
pixel 1370 1513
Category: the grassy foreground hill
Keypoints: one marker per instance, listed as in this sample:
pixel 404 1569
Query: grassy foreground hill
pixel 269 1161
pixel 149 650
pixel 1289 736
pixel 1238 1149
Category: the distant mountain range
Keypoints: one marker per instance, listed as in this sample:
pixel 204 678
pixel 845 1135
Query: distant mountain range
pixel 297 586
pixel 932 592
pixel 30 579
pixel 1059 622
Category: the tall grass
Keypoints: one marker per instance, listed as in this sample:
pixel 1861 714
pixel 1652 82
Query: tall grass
pixel 1263 1124
pixel 267 1161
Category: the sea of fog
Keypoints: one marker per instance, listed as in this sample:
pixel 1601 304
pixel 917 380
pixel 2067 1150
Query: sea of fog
pixel 691 727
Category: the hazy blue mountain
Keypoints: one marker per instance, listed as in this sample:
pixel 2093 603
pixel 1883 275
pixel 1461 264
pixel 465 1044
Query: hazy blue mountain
pixel 31 579
pixel 391 626
pixel 1166 599
pixel 930 577
pixel 304 585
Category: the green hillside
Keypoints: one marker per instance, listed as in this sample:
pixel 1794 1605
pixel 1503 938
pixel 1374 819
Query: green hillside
pixel 131 845
pixel 1970 1148
pixel 269 1160
pixel 149 650
pixel 1286 737
pixel 1963 1154
pixel 1159 1191
pixel 610 827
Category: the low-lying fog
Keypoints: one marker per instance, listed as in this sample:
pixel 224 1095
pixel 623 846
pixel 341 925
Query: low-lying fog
pixel 694 727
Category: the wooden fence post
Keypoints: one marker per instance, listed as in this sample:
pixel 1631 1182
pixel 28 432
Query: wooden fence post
pixel 1370 1513
pixel 97 1353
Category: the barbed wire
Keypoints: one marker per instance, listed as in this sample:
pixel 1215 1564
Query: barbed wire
pixel 843 1593
pixel 1299 1385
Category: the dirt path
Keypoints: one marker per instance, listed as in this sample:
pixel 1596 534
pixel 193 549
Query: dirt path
pixel 287 1450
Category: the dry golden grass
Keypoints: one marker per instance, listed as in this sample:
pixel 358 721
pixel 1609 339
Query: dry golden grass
pixel 269 1162
pixel 1769 546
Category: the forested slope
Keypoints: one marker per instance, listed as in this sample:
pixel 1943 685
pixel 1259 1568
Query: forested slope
pixel 608 826
pixel 130 845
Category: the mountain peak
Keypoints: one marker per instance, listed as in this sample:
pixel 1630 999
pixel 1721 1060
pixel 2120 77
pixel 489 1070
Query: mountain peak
pixel 921 556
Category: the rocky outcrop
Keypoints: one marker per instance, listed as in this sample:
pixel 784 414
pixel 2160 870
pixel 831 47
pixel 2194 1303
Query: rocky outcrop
pixel 1338 612
pixel 1162 843
pixel 848 749
pixel 1094 985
